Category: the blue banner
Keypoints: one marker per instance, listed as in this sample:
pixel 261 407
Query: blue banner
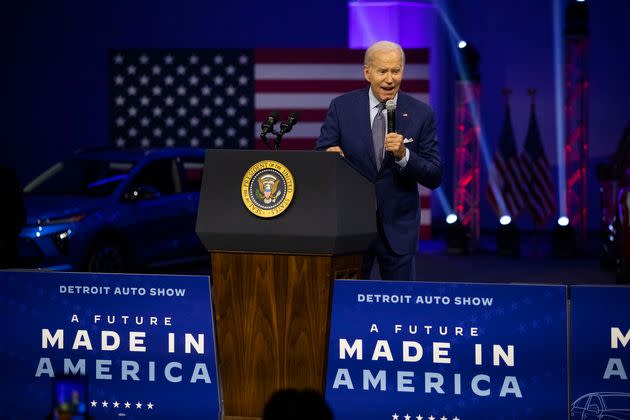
pixel 447 351
pixel 133 346
pixel 600 352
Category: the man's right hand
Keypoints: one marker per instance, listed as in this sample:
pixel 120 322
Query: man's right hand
pixel 336 149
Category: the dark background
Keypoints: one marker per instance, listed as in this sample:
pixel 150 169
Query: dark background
pixel 54 66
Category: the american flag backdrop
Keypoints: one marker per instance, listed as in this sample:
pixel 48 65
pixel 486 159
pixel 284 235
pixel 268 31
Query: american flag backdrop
pixel 217 98
pixel 507 173
pixel 540 197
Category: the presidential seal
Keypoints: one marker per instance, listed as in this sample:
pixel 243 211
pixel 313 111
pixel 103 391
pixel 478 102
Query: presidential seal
pixel 267 188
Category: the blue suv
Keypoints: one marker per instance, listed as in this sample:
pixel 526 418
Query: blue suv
pixel 114 211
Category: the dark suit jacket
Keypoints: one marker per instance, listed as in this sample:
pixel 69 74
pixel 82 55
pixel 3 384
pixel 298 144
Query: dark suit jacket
pixel 348 126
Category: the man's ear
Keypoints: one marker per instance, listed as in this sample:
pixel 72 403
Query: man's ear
pixel 366 71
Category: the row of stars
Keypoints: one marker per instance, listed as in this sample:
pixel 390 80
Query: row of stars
pixel 194 142
pixel 180 71
pixel 192 81
pixel 193 59
pixel 419 417
pixel 127 404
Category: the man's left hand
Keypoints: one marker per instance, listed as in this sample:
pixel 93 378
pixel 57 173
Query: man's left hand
pixel 394 143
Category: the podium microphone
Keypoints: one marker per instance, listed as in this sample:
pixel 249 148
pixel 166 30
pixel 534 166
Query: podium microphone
pixel 267 126
pixel 286 126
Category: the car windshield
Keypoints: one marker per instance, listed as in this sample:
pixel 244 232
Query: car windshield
pixel 80 177
pixel 617 402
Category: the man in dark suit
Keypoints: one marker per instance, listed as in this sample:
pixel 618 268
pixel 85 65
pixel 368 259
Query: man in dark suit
pixel 355 127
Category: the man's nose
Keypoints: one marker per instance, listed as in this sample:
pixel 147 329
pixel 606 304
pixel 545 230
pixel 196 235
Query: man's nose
pixel 389 78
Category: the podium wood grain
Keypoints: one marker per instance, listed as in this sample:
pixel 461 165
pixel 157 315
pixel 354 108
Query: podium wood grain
pixel 272 318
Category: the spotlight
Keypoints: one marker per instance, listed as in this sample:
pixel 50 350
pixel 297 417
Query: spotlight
pixel 462 44
pixel 508 238
pixel 563 240
pixel 457 236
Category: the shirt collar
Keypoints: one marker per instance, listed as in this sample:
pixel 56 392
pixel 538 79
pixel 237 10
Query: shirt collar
pixel 374 102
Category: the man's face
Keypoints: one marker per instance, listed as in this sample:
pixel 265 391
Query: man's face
pixel 384 73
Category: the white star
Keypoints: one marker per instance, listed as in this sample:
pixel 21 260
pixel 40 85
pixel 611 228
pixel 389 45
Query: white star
pixel 218 80
pixel 118 59
pixel 194 101
pixel 218 59
pixel 205 70
pixel 243 80
pixel 431 418
pixel 131 69
pixel 242 142
pixel 193 59
pixel 157 111
pixel 157 91
pixel 120 142
pixel 194 142
pixel 168 59
pixel 169 100
pixel 242 101
pixel 144 59
pixel 419 417
pixel 394 416
pixel 116 404
pixel 170 142
pixel 120 121
pixel 169 121
pixel 157 132
pixel 144 121
pixel 230 90
pixel 181 70
pixel 93 403
pixel 181 132
pixel 120 101
pixel 243 59
pixel 150 406
pixel 206 90
pixel 231 132
pixel 206 132
pixel 455 418
pixel 407 417
pixel 145 142
pixel 230 111
pixel 144 80
pixel 133 132
pixel 181 111
pixel 443 418
pixel 132 111
pixel 138 405
pixel 206 111
pixel 168 80
pixel 181 91
pixel 127 404
pixel 218 142
pixel 119 80
pixel 131 90
pixel 218 121
pixel 193 80
pixel 144 101
pixel 242 121
pixel 194 121
pixel 218 101
pixel 156 69
pixel 230 70
pixel 104 403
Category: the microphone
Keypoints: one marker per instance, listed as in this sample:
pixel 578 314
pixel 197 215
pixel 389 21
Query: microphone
pixel 287 125
pixel 391 116
pixel 267 126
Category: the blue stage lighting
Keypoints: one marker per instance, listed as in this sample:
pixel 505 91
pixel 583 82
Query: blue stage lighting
pixel 505 220
pixel 563 221
pixel 451 218
pixel 462 44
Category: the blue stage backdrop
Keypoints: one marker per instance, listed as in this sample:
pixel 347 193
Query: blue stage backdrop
pixel 432 351
pixel 600 352
pixel 144 342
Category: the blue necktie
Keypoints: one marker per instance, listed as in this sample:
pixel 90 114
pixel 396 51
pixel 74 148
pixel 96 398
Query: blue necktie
pixel 378 135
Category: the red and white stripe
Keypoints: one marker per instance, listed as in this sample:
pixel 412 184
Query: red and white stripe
pixel 541 200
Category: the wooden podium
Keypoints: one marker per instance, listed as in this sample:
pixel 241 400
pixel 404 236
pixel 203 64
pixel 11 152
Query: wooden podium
pixel 272 277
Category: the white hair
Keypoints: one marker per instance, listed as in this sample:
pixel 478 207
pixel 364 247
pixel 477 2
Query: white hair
pixel 382 46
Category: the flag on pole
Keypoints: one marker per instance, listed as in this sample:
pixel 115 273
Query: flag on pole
pixel 540 197
pixel 506 172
